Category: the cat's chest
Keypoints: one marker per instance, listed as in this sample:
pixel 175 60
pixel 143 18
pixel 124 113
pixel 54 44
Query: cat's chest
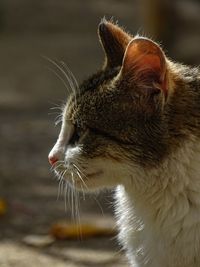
pixel 160 226
pixel 173 241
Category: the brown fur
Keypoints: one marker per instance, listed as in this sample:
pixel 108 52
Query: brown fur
pixel 136 124
pixel 131 117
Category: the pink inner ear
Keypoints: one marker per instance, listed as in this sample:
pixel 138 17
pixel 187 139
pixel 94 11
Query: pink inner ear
pixel 143 54
pixel 151 62
pixel 144 59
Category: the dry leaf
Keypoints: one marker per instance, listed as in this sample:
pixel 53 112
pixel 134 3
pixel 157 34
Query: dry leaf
pixel 3 206
pixel 74 231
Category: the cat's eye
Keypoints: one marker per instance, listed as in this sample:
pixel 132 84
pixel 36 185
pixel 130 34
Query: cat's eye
pixel 78 132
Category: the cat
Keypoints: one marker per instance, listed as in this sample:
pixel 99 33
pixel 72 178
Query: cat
pixel 135 126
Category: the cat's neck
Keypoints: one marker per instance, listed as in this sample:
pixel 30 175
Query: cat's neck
pixel 173 189
pixel 165 210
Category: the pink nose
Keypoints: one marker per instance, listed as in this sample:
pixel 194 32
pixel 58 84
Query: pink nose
pixel 52 159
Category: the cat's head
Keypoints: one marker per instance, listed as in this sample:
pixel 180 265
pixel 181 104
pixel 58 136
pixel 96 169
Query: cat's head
pixel 114 123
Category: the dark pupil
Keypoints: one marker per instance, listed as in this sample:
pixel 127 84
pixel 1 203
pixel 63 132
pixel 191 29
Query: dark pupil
pixel 75 137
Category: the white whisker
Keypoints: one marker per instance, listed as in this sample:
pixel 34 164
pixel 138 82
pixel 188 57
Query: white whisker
pixel 54 168
pixel 65 196
pixel 77 205
pixel 62 186
pixel 79 175
pixel 73 89
pixel 68 194
pixel 58 119
pixel 73 79
pixel 57 108
pixel 60 78
pixel 80 171
pixel 59 189
pixel 98 203
pixel 72 196
pixel 53 113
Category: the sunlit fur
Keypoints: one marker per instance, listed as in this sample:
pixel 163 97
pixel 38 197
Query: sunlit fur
pixel 129 135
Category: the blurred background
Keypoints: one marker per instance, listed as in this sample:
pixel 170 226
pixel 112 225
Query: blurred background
pixel 63 30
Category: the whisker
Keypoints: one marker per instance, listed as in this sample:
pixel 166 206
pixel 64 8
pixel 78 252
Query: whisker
pixel 79 175
pixel 59 189
pixel 74 80
pixel 62 186
pixel 56 104
pixel 65 196
pixel 65 75
pixel 78 168
pixel 72 196
pixel 68 194
pixel 61 180
pixel 54 168
pixel 63 174
pixel 60 175
pixel 61 161
pixel 58 119
pixel 60 78
pixel 99 205
pixel 81 172
pixel 77 205
pixel 58 107
pixel 83 191
pixel 53 113
pixel 71 79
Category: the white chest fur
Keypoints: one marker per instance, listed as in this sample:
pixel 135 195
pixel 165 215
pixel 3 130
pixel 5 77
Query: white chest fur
pixel 158 212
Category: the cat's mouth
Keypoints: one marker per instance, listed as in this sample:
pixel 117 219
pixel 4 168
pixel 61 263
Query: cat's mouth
pixel 76 177
pixel 89 180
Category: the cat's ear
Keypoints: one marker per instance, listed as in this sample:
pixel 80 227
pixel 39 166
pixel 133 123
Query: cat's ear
pixel 144 63
pixel 114 41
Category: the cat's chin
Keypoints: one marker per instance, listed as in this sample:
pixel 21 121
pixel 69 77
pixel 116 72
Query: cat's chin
pixel 88 174
pixel 94 181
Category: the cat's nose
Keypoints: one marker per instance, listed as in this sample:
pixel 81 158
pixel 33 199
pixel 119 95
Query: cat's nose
pixel 56 153
pixel 52 159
